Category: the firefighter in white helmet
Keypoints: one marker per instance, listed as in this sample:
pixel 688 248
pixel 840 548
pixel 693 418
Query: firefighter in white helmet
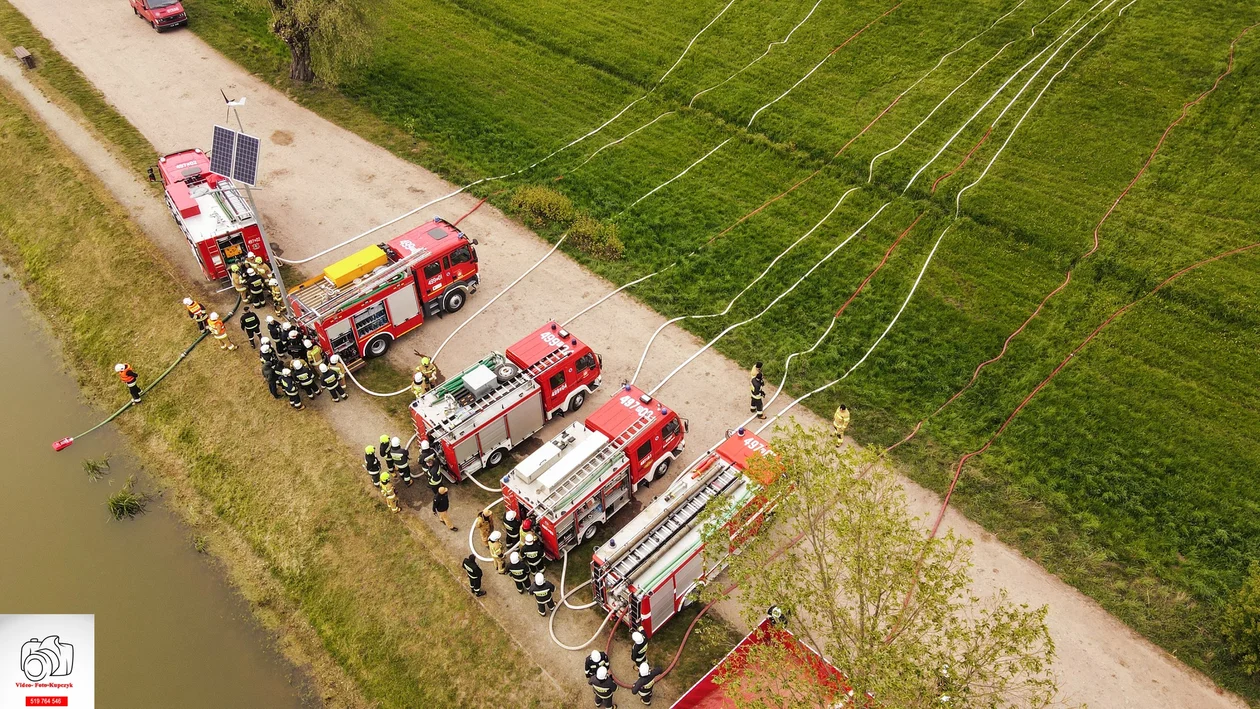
pixel 274 329
pixel 314 353
pixel 604 686
pixel 290 388
pixel 418 386
pixel 638 650
pixel 305 378
pixel 277 298
pixel 432 471
pixel 331 381
pixel 594 661
pixel 646 682
pixel 511 529
pixel 518 572
pixel 196 312
pixel 398 457
pixel 130 380
pixel 542 590
pixel 495 545
pixel 219 331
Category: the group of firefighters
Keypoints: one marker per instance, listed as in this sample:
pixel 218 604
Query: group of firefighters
pixel 293 365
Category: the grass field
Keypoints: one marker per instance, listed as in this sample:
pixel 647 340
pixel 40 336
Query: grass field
pixel 355 596
pixel 1133 476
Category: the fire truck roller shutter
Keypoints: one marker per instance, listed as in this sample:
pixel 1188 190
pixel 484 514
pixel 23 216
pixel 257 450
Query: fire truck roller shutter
pixel 403 306
pixel 493 437
pixel 468 453
pixel 526 419
pixel 662 603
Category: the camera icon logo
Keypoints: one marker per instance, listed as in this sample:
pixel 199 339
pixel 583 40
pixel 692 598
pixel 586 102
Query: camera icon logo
pixel 47 658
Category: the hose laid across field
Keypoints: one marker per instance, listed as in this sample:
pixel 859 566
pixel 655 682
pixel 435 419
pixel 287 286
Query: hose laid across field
pixel 774 302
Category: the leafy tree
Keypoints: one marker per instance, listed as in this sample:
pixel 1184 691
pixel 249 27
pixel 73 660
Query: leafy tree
pixel 1242 623
pixel 324 36
pixel 867 588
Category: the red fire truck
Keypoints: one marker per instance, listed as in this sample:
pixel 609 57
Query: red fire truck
pixel 359 305
pixel 653 563
pixel 578 480
pixel 475 417
pixel 210 210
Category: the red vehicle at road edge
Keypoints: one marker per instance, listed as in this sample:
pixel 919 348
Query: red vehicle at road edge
pixel 161 14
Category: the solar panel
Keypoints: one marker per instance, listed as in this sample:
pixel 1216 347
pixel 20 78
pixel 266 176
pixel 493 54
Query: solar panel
pixel 221 151
pixel 245 166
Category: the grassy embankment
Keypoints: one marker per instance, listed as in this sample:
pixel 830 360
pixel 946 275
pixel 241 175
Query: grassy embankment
pixel 356 596
pixel 1134 475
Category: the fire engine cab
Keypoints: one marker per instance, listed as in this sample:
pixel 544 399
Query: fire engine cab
pixel 578 480
pixel 210 210
pixel 475 417
pixel 359 305
pixel 651 565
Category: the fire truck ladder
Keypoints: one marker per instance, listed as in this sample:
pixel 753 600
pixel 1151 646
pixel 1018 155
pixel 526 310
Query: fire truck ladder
pixel 580 476
pixel 511 386
pixel 334 300
pixel 677 519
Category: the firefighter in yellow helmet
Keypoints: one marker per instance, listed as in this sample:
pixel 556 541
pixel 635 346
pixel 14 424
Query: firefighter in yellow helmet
pixel 387 489
pixel 840 422
pixel 261 267
pixel 238 279
pixel 219 331
pixel 429 370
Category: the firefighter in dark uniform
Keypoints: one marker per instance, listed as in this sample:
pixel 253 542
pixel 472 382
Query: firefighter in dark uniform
pixel 251 325
pixel 291 389
pixel 533 552
pixel 331 382
pixel 604 686
pixel 594 661
pixel 293 344
pixel 758 390
pixel 274 329
pixel 646 682
pixel 432 471
pixel 273 379
pixel 399 458
pixel 267 355
pixel 519 572
pixel 306 378
pixel 372 465
pixel 511 529
pixel 638 650
pixel 256 288
pixel 384 452
pixel 542 590
pixel 474 574
pixel 130 379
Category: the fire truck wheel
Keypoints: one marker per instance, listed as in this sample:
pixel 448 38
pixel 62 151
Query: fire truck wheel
pixel 377 346
pixel 590 532
pixel 659 471
pixel 454 300
pixel 576 402
pixel 506 372
pixel 495 457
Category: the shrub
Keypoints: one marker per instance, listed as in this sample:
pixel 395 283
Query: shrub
pixel 597 239
pixel 1241 626
pixel 127 502
pixel 543 205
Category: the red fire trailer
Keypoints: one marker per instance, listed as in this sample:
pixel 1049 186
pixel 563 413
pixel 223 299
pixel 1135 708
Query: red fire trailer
pixel 653 564
pixel 578 480
pixel 211 211
pixel 358 306
pixel 803 669
pixel 475 417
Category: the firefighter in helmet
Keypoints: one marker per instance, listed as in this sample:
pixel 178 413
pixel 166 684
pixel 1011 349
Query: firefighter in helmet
pixel 387 489
pixel 277 298
pixel 372 465
pixel 398 458
pixel 219 331
pixel 291 389
pixel 238 280
pixel 757 388
pixel 256 288
pixel 330 379
pixel 129 379
pixel 261 266
pixel 305 378
pixel 429 370
pixel 314 353
pixel 418 386
pixel 840 422
pixel 196 312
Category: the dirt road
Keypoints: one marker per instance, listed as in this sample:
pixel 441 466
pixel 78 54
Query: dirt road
pixel 322 184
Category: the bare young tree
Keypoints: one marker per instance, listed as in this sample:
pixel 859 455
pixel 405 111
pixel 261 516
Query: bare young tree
pixel 865 586
pixel 323 36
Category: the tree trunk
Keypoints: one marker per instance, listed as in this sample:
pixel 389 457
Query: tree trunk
pixel 300 53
